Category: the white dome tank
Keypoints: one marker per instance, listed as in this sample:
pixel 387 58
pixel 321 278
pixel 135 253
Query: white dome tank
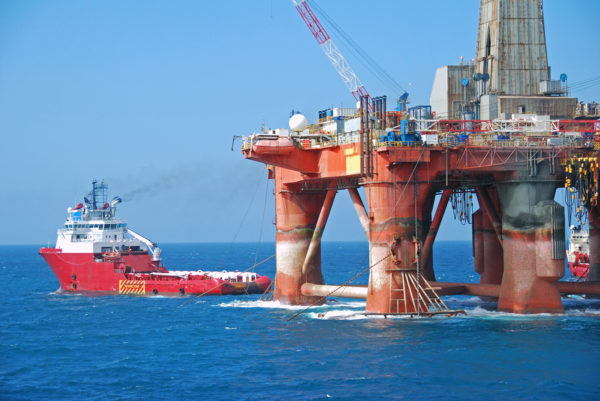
pixel 298 123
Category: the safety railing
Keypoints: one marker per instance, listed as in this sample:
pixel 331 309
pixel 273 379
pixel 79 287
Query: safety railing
pixel 456 133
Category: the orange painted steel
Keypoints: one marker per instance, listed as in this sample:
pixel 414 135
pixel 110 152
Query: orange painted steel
pixel 487 248
pixel 489 210
pixel 296 218
pixel 530 275
pixel 360 209
pixel 426 259
pixel 487 251
pixel 400 198
pixel 400 194
pixel 314 249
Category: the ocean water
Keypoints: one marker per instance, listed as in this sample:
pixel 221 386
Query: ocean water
pixel 73 347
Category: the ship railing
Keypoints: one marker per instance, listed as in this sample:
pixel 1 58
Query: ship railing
pixel 248 141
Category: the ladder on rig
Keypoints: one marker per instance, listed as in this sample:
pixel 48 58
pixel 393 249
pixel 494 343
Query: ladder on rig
pixel 413 290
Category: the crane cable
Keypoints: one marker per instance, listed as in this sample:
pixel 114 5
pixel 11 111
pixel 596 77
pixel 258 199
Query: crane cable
pixel 363 57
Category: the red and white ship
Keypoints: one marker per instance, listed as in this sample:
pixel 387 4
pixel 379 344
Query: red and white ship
pixel 97 252
pixel 578 252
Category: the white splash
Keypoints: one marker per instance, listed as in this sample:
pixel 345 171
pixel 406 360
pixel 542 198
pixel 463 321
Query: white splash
pixel 278 305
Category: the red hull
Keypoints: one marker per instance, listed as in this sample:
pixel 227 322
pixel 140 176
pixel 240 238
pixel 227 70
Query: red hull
pixel 578 269
pixel 130 274
pixel 257 286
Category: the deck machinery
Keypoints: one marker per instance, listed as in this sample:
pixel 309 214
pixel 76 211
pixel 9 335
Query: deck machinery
pixel 512 157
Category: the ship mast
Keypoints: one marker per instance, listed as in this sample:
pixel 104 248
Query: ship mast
pixel 98 193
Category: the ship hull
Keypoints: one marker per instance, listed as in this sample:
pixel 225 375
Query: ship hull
pixel 130 274
pixel 579 269
pixel 258 286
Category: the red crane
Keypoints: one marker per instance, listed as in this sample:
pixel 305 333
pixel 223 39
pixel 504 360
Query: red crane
pixel 331 51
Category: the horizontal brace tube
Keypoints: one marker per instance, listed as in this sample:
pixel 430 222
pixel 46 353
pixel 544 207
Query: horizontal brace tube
pixel 323 290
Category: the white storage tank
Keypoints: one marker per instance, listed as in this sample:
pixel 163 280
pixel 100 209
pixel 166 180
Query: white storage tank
pixel 298 123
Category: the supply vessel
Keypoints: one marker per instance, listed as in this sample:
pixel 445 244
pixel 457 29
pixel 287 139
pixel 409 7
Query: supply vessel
pixel 97 252
pixel 578 253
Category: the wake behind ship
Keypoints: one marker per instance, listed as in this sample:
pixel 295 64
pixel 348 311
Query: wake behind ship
pixel 97 252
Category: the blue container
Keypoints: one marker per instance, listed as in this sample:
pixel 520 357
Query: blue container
pixel 462 138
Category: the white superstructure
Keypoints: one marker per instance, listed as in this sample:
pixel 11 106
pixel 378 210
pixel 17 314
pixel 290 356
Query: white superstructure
pixel 579 243
pixel 93 229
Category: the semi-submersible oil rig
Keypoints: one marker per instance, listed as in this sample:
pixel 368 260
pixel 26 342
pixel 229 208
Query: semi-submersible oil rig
pixel 498 129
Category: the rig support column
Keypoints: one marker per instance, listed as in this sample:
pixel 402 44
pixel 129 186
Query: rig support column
pixel 533 247
pixel 296 219
pixel 487 250
pixel 360 209
pixel 426 258
pixel 314 248
pixel 487 236
pixel 394 240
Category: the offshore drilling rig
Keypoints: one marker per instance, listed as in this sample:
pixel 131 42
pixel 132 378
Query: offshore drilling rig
pixel 498 129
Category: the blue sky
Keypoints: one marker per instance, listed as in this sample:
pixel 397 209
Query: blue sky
pixel 148 94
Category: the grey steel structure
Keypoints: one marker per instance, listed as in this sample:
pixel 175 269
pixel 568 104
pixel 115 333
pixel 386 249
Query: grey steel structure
pixel 511 71
pixel 511 47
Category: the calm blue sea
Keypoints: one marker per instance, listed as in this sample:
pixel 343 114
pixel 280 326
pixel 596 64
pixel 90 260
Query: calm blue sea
pixel 71 347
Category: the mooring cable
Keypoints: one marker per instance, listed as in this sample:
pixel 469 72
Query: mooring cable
pixel 340 286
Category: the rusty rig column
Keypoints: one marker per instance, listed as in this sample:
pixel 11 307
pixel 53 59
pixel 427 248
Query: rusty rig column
pixel 487 251
pixel 297 214
pixel 533 247
pixel 395 237
pixel 487 234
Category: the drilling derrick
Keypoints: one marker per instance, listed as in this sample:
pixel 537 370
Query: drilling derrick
pixel 403 160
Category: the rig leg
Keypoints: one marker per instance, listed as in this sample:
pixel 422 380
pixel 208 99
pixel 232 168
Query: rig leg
pixel 487 248
pixel 533 247
pixel 394 242
pixel 426 258
pixel 296 219
pixel 360 209
pixel 314 249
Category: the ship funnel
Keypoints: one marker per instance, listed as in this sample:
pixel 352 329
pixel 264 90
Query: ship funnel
pixel 115 200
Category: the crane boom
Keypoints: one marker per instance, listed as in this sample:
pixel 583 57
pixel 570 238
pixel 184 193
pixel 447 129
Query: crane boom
pixel 152 247
pixel 331 51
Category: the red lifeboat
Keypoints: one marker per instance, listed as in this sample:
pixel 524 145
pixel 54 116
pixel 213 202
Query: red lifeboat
pixel 280 146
